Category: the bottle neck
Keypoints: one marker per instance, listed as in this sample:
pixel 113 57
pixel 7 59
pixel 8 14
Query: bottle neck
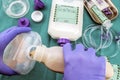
pixel 40 54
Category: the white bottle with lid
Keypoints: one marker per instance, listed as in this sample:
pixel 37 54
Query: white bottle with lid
pixel 66 19
pixel 53 58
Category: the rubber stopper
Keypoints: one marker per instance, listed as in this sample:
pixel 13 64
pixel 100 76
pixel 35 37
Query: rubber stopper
pixel 38 4
pixel 63 41
pixel 23 22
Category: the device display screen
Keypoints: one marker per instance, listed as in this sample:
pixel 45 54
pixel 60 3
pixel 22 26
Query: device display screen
pixel 66 14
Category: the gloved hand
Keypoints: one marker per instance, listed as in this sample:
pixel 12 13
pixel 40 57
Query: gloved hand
pixel 5 38
pixel 81 64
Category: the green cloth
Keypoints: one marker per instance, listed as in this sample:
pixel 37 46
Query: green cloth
pixel 40 72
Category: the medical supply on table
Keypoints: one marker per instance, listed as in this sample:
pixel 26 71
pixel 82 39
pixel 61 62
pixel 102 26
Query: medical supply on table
pixel 101 37
pixel 66 20
pixel 62 41
pixel 27 48
pixel 37 16
pixel 105 6
pixel 16 8
pixel 15 54
pixel 38 4
pixel 104 33
pixel 98 13
pixel 53 58
pixel 5 38
pixel 23 22
pixel 101 4
pixel 97 37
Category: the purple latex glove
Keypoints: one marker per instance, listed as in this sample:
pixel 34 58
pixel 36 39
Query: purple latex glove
pixel 5 38
pixel 81 64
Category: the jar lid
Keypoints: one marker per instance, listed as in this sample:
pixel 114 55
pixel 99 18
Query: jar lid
pixel 37 16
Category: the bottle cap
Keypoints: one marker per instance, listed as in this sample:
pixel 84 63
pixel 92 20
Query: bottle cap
pixel 23 22
pixel 63 41
pixel 107 11
pixel 37 16
pixel 38 4
pixel 39 53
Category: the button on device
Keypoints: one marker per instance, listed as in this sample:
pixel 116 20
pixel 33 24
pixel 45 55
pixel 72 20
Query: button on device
pixel 37 16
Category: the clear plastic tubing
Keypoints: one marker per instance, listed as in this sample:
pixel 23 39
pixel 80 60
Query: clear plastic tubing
pixel 89 40
pixel 106 36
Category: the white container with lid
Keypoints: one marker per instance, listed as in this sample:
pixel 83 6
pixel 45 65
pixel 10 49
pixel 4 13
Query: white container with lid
pixel 66 19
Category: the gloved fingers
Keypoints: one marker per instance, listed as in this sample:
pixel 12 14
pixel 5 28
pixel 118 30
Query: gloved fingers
pixel 101 62
pixel 7 30
pixel 91 51
pixel 101 58
pixel 18 30
pixel 79 48
pixel 13 32
pixel 67 48
pixel 8 72
pixel 4 69
pixel 67 51
pixel 14 28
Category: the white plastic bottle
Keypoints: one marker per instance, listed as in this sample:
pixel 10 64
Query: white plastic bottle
pixel 66 20
pixel 53 58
